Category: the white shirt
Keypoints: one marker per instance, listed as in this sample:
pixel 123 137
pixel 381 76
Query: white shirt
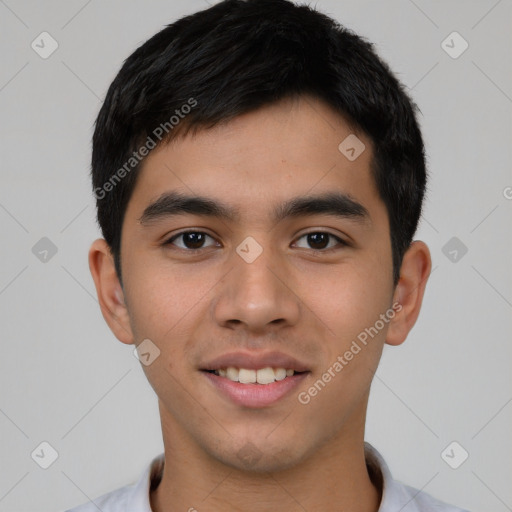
pixel 396 497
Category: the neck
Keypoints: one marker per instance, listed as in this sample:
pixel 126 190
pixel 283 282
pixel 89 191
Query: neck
pixel 335 478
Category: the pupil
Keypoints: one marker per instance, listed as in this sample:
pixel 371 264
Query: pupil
pixel 318 239
pixel 193 240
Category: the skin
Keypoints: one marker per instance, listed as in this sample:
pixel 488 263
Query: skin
pixel 308 302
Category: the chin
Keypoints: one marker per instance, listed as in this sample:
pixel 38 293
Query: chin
pixel 260 456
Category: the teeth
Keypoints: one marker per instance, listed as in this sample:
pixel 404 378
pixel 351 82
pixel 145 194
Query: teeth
pixel 246 376
pixel 232 373
pixel 263 376
pixel 280 373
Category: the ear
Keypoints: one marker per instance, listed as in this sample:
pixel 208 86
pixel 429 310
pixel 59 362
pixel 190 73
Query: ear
pixel 109 291
pixel 414 273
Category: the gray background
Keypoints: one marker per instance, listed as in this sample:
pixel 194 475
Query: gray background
pixel 66 380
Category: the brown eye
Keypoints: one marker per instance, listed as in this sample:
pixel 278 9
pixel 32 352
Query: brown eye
pixel 192 240
pixel 319 240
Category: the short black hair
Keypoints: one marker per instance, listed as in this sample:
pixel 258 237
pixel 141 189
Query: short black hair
pixel 238 56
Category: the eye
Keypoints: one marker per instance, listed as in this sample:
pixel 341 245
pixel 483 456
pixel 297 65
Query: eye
pixel 319 240
pixel 191 240
pixel 195 240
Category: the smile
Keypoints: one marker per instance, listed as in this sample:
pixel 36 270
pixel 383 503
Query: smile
pixel 254 388
pixel 248 376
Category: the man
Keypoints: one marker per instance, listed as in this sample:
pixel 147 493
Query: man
pixel 259 175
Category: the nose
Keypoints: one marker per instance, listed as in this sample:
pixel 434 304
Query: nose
pixel 257 296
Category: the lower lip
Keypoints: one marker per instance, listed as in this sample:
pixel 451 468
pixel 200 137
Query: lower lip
pixel 255 395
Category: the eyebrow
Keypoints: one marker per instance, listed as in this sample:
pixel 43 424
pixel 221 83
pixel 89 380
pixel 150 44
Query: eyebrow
pixel 337 204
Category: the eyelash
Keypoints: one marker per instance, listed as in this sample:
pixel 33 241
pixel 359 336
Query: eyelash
pixel 170 241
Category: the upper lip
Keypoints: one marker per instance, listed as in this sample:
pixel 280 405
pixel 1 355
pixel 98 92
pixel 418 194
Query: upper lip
pixel 255 361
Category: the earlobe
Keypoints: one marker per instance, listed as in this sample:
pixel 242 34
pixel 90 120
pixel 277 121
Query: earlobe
pixel 414 273
pixel 109 291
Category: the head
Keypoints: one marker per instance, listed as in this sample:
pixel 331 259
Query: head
pixel 250 104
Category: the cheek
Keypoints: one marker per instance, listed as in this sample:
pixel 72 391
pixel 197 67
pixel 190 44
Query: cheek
pixel 350 302
pixel 164 300
pixel 350 297
pixel 164 307
pixel 351 307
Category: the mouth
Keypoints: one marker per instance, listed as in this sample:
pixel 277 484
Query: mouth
pixel 254 388
pixel 263 376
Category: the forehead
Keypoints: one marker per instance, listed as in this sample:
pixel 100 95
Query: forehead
pixel 293 148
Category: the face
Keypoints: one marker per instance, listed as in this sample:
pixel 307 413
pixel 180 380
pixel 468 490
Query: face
pixel 260 282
